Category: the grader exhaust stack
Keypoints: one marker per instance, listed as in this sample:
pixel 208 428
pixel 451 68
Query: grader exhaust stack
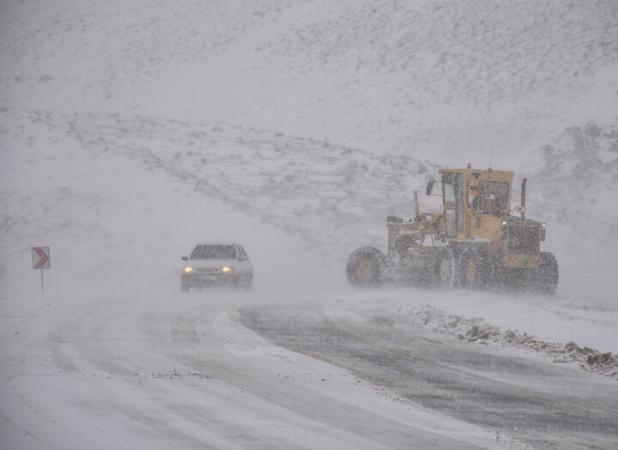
pixel 417 207
pixel 523 197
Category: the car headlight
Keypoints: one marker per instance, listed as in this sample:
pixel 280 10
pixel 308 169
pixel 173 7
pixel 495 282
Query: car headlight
pixel 188 269
pixel 226 269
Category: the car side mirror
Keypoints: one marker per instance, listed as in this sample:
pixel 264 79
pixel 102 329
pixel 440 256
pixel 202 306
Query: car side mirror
pixel 429 187
pixel 185 258
pixel 242 258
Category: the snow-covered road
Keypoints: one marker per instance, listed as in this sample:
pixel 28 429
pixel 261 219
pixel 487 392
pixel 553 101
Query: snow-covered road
pixel 182 373
pixel 185 371
pixel 532 400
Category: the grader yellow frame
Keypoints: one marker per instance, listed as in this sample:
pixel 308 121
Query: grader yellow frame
pixel 473 242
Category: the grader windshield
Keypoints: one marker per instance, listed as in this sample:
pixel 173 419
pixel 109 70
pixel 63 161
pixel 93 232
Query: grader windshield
pixel 492 197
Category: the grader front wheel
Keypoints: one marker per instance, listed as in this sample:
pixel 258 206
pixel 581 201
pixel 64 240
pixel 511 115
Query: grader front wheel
pixel 365 267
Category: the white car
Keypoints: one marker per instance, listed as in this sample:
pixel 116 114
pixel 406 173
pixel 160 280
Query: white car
pixel 213 265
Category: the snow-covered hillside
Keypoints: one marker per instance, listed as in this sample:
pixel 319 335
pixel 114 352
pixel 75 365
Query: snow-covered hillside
pixel 117 215
pixel 577 182
pixel 462 81
pixel 331 197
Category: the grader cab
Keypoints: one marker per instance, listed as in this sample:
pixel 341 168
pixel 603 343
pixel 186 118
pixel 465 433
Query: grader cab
pixel 473 242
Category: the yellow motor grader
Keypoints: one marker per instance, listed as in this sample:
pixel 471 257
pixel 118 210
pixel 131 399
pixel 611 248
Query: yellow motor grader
pixel 474 242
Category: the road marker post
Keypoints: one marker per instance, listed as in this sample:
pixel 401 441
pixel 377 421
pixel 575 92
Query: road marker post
pixel 41 260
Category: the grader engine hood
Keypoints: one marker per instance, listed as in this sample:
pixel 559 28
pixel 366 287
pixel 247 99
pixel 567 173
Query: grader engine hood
pixel 523 236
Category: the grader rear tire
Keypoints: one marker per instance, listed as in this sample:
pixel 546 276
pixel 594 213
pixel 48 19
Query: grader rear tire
pixel 544 280
pixel 472 270
pixel 446 269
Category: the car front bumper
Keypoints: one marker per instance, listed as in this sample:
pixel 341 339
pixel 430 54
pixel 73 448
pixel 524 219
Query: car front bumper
pixel 197 279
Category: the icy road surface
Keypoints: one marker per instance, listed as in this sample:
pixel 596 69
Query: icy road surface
pixel 193 371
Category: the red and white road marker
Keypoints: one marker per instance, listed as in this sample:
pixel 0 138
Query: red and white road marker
pixel 41 260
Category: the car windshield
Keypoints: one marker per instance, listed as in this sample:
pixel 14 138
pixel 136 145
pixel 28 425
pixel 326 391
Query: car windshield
pixel 213 252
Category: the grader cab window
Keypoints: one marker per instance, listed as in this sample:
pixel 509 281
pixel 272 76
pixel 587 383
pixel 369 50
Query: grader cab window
pixel 490 197
pixel 452 191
